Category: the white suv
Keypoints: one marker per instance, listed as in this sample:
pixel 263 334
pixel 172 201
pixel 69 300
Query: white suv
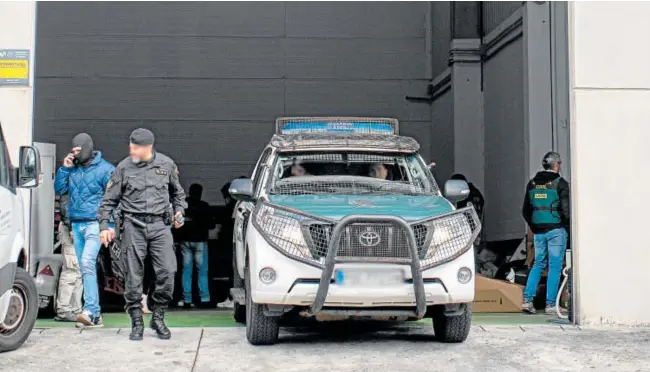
pixel 343 218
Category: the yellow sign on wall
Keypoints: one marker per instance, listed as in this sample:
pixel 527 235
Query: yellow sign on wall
pixel 14 67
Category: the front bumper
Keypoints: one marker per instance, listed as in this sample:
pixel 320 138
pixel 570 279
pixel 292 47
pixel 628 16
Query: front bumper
pixel 302 285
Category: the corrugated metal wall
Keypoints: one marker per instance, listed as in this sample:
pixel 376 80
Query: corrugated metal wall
pixel 441 35
pixel 505 157
pixel 442 151
pixel 210 77
pixel 495 12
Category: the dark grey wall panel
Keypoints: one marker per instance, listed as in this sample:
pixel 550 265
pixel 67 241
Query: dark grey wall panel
pixel 441 35
pixel 495 12
pixel 375 59
pixel 195 57
pixel 188 142
pixel 188 57
pixel 505 156
pixel 442 133
pixel 162 19
pixel 184 99
pixel 356 19
pixel 383 98
pixel 209 78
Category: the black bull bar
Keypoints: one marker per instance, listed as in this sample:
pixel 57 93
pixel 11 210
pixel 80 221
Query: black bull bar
pixel 330 260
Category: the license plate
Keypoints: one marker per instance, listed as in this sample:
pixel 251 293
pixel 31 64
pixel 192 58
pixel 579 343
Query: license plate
pixel 369 278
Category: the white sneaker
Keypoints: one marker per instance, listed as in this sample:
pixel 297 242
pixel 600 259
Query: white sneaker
pixel 528 307
pixel 228 304
pixel 180 303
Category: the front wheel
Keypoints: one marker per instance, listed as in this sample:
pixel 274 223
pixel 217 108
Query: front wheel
pixel 260 329
pixel 452 327
pixel 22 312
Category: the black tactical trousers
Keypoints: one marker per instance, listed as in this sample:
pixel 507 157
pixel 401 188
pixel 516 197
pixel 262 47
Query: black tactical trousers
pixel 156 241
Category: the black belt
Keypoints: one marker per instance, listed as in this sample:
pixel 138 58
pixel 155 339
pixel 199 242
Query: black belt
pixel 147 218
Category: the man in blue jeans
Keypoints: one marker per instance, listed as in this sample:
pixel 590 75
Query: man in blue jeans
pixel 546 209
pixel 193 240
pixel 84 176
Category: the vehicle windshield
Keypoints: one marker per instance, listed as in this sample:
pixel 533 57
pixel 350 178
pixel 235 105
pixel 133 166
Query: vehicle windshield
pixel 347 173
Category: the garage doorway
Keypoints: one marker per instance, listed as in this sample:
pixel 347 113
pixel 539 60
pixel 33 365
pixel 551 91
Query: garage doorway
pixel 210 78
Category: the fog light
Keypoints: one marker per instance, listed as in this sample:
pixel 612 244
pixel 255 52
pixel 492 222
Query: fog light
pixel 464 275
pixel 267 275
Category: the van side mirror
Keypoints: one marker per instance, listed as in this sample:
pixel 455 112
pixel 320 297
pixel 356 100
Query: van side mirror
pixel 29 168
pixel 456 190
pixel 241 189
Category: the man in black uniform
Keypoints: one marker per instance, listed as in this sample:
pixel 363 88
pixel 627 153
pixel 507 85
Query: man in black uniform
pixel 146 187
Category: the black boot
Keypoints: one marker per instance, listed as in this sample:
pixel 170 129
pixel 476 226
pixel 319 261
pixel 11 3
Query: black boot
pixel 158 324
pixel 137 325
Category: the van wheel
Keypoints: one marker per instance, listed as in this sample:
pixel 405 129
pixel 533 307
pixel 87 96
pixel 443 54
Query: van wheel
pixel 452 328
pixel 260 329
pixel 22 313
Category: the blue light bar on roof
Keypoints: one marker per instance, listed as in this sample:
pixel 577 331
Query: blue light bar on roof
pixel 336 125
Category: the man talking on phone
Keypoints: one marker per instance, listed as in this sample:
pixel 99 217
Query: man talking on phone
pixel 84 177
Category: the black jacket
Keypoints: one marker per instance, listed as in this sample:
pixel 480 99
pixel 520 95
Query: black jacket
pixel 476 198
pixel 565 202
pixel 198 222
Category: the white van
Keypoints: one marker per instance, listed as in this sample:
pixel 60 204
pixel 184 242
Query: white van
pixel 18 294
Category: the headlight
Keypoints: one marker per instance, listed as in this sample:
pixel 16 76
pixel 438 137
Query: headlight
pixel 282 228
pixel 452 235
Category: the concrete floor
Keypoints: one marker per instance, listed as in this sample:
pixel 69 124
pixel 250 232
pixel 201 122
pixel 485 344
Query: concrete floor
pixel 338 348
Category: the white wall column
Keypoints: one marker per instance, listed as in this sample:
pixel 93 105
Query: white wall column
pixel 18 31
pixel 469 144
pixel 610 113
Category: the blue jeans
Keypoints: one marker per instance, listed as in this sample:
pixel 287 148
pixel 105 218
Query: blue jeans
pixel 195 253
pixel 548 246
pixel 87 245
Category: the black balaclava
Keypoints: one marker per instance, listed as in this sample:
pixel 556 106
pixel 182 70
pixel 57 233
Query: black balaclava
pixel 85 142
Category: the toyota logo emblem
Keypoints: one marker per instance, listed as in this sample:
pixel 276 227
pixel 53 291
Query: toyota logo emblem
pixel 369 238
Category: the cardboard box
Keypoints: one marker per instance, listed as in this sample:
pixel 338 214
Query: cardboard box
pixel 497 296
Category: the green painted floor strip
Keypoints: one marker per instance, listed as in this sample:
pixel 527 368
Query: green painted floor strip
pixel 217 318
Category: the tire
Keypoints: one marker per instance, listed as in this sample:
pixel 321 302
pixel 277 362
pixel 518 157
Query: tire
pixel 260 329
pixel 452 328
pixel 27 297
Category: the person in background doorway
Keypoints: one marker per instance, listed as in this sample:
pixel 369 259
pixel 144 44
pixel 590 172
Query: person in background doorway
pixel 475 196
pixel 193 240
pixel 546 209
pixel 143 186
pixel 84 176
pixel 68 301
pixel 477 201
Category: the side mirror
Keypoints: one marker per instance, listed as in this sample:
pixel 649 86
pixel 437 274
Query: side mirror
pixel 456 190
pixel 241 189
pixel 29 169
